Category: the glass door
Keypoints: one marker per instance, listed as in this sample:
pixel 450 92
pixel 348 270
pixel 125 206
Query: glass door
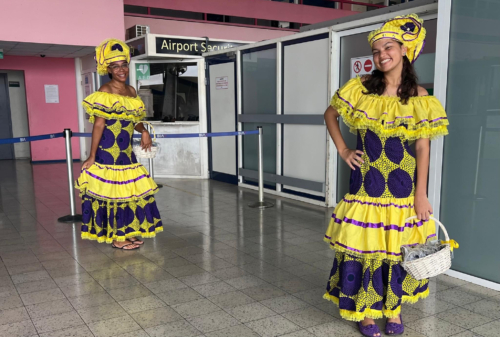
pixel 471 164
pixel 258 96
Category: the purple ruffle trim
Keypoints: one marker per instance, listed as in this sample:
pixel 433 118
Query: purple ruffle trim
pixel 371 251
pixel 117 182
pixel 377 225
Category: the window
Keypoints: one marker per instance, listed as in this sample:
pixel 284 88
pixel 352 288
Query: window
pixel 177 14
pixel 170 13
pixel 136 9
pixel 215 17
pixel 239 20
pixel 267 23
pixel 319 3
pixel 230 19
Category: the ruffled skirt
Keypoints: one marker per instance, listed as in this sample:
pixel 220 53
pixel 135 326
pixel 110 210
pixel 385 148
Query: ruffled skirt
pixel 118 203
pixel 367 233
pixel 371 288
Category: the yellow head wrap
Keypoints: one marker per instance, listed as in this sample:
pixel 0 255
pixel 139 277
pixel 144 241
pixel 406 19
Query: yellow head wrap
pixel 109 51
pixel 407 29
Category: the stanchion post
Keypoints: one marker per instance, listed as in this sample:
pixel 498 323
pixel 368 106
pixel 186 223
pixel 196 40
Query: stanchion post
pixel 73 217
pixel 151 164
pixel 261 203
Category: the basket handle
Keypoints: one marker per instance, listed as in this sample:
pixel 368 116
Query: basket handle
pixel 152 129
pixel 435 220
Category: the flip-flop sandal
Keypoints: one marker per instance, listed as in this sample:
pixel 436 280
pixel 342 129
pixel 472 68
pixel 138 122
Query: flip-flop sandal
pixel 369 330
pixel 393 329
pixel 135 241
pixel 123 247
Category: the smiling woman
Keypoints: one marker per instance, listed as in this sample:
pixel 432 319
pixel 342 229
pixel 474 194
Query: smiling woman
pixel 117 192
pixel 116 67
pixel 386 110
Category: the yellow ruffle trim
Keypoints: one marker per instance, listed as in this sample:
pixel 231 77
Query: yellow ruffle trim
pixel 116 183
pixel 112 106
pixel 375 314
pixel 94 237
pixel 376 228
pixel 422 117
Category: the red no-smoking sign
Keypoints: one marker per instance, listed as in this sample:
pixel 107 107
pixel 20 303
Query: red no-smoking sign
pixel 368 65
pixel 357 67
pixel 361 66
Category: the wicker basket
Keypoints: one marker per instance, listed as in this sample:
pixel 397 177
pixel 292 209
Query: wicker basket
pixel 431 265
pixel 140 152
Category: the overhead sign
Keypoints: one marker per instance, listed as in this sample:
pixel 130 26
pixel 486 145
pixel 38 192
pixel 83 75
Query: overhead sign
pixel 362 66
pixel 165 45
pixel 143 71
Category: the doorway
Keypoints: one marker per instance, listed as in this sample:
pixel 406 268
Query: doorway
pixel 13 114
pixel 6 150
pixel 221 113
pixel 171 90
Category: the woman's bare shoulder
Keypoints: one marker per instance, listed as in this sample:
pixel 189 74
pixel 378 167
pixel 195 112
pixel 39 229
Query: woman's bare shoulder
pixel 105 88
pixel 132 90
pixel 422 91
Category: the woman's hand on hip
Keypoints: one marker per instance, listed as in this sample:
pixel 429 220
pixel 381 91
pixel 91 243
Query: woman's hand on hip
pixel 352 157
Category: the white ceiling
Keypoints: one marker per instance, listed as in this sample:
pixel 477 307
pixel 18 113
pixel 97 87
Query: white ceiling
pixel 49 50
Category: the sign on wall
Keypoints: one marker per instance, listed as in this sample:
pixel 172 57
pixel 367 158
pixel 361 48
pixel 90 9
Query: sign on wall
pixel 143 71
pixel 362 66
pixel 51 93
pixel 165 45
pixel 221 83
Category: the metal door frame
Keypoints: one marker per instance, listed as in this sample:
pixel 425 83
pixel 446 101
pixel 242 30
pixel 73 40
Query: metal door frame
pixel 214 60
pixel 5 78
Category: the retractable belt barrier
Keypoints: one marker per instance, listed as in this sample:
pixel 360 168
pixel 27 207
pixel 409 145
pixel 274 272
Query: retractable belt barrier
pixel 31 139
pixel 68 134
pixel 186 135
pixel 169 135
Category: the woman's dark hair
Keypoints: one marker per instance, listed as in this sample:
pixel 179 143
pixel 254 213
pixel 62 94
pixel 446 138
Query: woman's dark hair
pixel 110 75
pixel 375 83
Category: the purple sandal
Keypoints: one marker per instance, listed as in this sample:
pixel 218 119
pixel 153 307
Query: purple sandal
pixel 368 330
pixel 393 329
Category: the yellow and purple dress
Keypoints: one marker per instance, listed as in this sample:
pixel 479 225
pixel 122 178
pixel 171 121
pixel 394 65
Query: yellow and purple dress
pixel 117 192
pixel 368 225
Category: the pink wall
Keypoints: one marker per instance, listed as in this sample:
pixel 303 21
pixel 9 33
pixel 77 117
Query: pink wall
pixel 44 118
pixel 213 31
pixel 261 9
pixel 69 22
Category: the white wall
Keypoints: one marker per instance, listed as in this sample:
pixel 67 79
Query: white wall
pixel 19 112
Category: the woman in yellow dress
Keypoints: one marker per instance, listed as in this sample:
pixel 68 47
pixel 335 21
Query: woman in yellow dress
pixel 117 192
pixel 387 110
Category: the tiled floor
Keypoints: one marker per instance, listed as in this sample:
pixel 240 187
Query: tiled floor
pixel 220 269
